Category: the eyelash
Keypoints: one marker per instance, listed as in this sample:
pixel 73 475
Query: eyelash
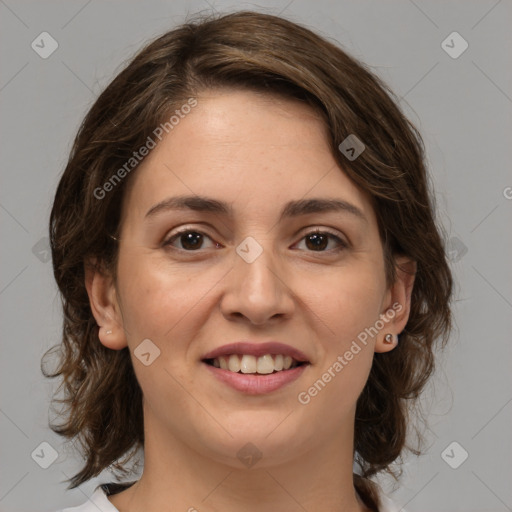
pixel 342 244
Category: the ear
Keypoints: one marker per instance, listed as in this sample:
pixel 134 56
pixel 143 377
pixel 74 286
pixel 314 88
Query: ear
pixel 397 304
pixel 105 306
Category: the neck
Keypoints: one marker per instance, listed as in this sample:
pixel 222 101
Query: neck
pixel 181 477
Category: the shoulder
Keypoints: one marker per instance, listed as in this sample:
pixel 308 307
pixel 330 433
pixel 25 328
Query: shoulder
pixel 388 505
pixel 98 501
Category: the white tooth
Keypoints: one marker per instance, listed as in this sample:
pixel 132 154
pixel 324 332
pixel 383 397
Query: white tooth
pixel 265 364
pixel 234 363
pixel 278 363
pixel 248 364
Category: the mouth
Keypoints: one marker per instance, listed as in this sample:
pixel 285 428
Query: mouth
pixel 256 368
pixel 249 364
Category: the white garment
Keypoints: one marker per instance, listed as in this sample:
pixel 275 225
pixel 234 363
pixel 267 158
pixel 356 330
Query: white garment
pixel 100 503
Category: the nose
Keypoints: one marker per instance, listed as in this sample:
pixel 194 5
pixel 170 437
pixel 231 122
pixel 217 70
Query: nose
pixel 257 291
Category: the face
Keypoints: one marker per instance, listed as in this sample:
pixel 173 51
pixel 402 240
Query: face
pixel 274 245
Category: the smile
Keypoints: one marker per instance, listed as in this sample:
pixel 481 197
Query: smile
pixel 249 364
pixel 253 382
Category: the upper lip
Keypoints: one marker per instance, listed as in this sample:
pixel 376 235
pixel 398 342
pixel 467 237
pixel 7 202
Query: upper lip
pixel 257 350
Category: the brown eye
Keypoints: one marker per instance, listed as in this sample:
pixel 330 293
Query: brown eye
pixel 188 240
pixel 191 240
pixel 318 241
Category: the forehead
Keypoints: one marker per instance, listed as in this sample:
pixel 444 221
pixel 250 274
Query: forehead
pixel 259 149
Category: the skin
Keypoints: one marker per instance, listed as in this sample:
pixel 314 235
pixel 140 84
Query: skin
pixel 255 153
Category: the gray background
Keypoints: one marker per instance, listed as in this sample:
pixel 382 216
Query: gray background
pixel 461 105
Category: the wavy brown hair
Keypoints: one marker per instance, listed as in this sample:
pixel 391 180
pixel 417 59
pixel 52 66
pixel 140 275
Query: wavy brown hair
pixel 272 55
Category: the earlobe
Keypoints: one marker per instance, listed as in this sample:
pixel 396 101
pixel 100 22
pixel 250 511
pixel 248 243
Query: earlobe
pixel 398 305
pixel 105 306
pixel 390 339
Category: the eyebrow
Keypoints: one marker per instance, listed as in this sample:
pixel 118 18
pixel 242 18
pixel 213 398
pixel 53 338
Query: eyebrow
pixel 290 210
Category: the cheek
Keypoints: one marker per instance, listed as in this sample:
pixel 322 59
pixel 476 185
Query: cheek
pixel 341 372
pixel 351 302
pixel 350 308
pixel 163 301
pixel 158 303
pixel 154 296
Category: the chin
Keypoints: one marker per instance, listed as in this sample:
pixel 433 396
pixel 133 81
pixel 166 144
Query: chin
pixel 255 439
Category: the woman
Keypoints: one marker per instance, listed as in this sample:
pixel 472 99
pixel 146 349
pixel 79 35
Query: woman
pixel 253 281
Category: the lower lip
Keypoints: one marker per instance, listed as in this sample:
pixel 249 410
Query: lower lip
pixel 254 384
